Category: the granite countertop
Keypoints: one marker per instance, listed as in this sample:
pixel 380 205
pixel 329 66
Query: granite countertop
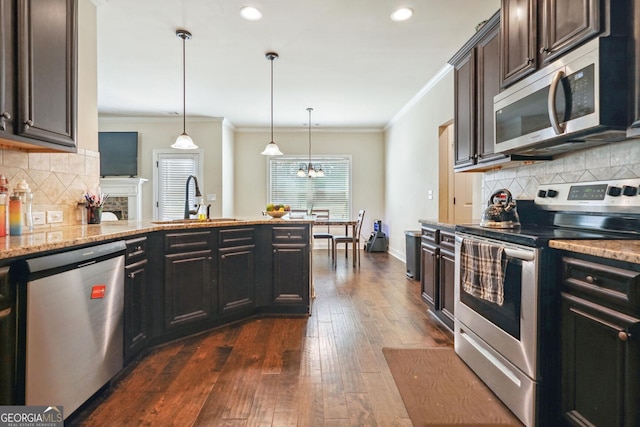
pixel 622 250
pixel 75 235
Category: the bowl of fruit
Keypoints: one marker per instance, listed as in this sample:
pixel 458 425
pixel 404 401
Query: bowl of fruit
pixel 277 210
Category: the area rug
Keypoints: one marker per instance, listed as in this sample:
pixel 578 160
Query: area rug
pixel 438 389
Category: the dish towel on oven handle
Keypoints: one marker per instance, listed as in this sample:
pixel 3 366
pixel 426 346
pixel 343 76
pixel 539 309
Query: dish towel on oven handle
pixel 482 269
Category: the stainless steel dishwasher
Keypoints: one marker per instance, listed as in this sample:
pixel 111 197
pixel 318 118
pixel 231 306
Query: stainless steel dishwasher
pixel 74 328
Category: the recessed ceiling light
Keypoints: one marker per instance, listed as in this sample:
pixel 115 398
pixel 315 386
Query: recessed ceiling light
pixel 402 14
pixel 250 13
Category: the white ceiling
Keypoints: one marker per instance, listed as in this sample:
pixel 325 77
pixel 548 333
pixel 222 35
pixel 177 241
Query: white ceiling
pixel 344 58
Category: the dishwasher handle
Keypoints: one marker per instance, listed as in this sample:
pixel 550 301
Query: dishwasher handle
pixel 75 257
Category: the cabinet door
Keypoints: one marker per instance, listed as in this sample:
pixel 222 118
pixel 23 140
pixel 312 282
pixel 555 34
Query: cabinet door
pixel 136 315
pixel 47 71
pixel 488 83
pixel 429 273
pixel 567 23
pixel 7 40
pixel 519 39
pixel 236 279
pixel 446 283
pixel 291 274
pixel 465 109
pixel 600 364
pixel 187 288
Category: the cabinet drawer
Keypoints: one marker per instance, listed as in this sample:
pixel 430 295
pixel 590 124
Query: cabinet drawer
pixel 136 250
pixel 447 240
pixel 290 235
pixel 231 237
pixel 430 234
pixel 604 282
pixel 187 242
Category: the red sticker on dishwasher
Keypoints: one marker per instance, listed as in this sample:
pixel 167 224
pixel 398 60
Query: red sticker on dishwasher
pixel 97 291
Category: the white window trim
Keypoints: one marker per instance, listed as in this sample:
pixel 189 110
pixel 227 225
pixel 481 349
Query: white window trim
pixel 200 176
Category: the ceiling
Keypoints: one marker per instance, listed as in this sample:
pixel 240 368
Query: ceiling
pixel 344 58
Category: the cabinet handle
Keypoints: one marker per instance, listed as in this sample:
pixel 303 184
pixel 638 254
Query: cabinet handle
pixel 591 280
pixel 624 336
pixel 529 61
pixel 132 275
pixel 223 256
pixel 28 123
pixel 544 50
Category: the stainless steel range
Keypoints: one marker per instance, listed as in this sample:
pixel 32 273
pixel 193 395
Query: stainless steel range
pixel 506 293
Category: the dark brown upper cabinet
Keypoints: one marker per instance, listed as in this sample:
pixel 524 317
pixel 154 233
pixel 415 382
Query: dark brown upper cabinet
pixel 535 32
pixel 38 74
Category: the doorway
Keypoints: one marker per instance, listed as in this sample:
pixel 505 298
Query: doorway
pixel 455 195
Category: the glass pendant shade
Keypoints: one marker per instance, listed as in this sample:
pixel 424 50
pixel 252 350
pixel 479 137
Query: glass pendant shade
pixel 184 142
pixel 272 150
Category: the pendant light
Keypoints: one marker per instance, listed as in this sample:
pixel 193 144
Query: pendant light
pixel 184 141
pixel 272 148
pixel 310 171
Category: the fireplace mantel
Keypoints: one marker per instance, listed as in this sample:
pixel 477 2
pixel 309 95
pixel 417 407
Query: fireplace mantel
pixel 125 187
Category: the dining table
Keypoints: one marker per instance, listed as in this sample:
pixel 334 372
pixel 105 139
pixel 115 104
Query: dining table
pixel 346 223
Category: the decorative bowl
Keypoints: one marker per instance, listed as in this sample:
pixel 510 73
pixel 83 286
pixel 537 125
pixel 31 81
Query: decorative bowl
pixel 277 214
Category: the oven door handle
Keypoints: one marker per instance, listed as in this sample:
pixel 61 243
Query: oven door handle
pixel 519 254
pixel 509 251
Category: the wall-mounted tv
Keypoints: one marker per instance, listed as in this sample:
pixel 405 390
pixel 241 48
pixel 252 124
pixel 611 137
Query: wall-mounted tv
pixel 118 153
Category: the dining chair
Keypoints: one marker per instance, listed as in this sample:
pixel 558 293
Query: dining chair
pixel 323 214
pixel 353 239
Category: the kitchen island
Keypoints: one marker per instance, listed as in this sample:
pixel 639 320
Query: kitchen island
pixel 180 278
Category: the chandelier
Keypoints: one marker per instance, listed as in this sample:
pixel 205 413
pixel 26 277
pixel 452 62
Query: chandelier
pixel 308 169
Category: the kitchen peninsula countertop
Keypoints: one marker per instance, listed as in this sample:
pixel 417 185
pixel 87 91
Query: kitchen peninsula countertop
pixel 437 224
pixel 621 250
pixel 65 237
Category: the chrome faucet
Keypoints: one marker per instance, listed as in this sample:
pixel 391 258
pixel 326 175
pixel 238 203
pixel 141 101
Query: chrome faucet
pixel 187 211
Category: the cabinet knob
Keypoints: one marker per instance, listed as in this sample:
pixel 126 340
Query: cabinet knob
pixel 223 256
pixel 28 123
pixel 624 336
pixel 4 116
pixel 529 61
pixel 544 50
pixel 132 275
pixel 590 279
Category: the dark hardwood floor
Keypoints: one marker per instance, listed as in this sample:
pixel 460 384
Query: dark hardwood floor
pixel 324 370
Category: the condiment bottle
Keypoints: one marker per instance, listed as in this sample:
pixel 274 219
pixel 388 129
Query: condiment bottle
pixel 23 191
pixel 15 215
pixel 202 210
pixel 4 218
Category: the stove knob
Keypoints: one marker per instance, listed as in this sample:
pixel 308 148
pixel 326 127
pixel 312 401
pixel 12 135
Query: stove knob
pixel 614 191
pixel 552 193
pixel 628 190
pixel 542 193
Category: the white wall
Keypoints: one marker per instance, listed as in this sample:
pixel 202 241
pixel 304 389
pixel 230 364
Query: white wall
pixel 411 163
pixel 228 170
pixel 366 149
pixel 161 132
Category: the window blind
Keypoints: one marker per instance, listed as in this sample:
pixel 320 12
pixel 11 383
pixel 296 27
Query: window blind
pixel 173 171
pixel 332 191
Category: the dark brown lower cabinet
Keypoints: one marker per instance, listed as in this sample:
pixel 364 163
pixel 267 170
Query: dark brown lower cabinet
pixel 188 287
pixel 7 339
pixel 600 344
pixel 291 264
pixel 136 313
pixel 437 263
pixel 236 270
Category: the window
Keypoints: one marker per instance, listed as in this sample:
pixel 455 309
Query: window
pixel 332 191
pixel 171 173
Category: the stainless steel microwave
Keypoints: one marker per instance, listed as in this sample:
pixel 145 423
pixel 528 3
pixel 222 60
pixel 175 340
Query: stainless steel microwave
pixel 577 101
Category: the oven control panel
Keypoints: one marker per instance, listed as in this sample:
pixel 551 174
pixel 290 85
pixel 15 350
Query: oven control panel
pixel 621 195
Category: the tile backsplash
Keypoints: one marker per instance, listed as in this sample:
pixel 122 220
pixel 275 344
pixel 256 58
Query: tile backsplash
pixel 618 160
pixel 58 181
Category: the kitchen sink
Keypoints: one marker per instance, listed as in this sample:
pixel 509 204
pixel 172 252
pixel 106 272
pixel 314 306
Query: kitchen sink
pixel 194 220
